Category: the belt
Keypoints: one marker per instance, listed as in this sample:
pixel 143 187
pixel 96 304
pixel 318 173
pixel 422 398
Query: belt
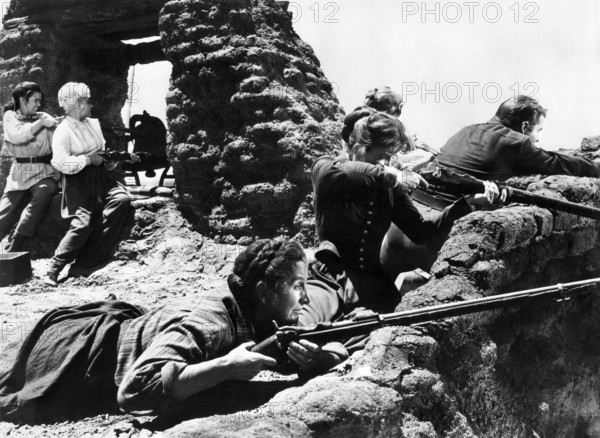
pixel 43 159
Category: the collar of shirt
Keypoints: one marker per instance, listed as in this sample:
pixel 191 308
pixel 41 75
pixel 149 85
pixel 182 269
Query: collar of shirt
pixel 76 122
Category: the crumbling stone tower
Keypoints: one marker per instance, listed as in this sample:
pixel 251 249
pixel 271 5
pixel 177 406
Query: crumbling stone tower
pixel 249 108
pixel 249 111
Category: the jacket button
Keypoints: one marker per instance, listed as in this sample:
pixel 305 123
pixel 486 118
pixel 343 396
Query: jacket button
pixel 365 232
pixel 368 222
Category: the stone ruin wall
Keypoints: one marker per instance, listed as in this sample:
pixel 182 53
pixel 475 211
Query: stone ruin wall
pixel 249 111
pixel 53 42
pixel 515 372
pixel 249 108
pixel 502 373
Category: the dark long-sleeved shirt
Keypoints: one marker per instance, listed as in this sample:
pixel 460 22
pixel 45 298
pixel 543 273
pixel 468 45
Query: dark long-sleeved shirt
pixel 355 207
pixel 492 151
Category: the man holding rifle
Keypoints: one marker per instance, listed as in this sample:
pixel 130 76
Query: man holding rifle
pixel 506 146
pixel 496 150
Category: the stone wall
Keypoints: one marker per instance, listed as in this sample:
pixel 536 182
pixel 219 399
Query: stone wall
pixel 524 371
pixel 249 110
pixel 54 42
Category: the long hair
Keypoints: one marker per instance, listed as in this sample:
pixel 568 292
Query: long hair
pixel 24 90
pixel 265 265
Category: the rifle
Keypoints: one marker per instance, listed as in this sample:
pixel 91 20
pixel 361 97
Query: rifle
pixel 324 332
pixel 447 181
pixel 123 156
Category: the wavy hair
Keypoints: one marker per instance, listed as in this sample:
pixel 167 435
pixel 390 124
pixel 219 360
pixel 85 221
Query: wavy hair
pixel 385 100
pixel 265 265
pixel 377 130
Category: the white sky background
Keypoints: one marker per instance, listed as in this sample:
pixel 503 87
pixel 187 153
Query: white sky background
pixel 552 51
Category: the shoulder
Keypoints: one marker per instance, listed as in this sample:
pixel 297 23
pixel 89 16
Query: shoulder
pixel 322 164
pixel 62 128
pixel 9 116
pixel 505 132
pixel 94 122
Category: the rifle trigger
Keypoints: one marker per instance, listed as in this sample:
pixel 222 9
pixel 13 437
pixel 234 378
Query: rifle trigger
pixel 561 291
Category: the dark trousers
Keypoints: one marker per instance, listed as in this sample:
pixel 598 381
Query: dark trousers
pixel 25 207
pixel 98 206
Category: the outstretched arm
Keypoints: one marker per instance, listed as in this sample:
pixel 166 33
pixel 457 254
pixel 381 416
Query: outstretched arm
pixel 532 159
pixel 238 364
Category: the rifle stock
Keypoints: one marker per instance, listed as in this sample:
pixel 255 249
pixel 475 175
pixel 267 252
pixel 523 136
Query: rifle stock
pixel 322 333
pixel 446 180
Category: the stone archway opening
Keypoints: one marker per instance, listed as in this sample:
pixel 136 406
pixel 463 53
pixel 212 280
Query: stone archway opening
pixel 57 41
pixel 148 85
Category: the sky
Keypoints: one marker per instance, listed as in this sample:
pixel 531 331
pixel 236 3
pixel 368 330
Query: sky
pixel 454 62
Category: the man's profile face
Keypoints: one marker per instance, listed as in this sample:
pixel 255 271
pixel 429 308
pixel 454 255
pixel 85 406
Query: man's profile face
pixel 533 131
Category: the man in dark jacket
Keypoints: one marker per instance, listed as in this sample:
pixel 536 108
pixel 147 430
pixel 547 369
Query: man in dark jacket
pixel 506 146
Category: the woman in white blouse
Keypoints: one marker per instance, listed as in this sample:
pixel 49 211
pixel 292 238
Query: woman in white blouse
pixel 93 200
pixel 31 182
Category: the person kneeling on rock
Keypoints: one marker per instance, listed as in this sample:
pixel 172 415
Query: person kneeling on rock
pixel 148 362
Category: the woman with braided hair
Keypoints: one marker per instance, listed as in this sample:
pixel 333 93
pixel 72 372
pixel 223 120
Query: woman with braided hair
pixel 357 199
pixel 151 361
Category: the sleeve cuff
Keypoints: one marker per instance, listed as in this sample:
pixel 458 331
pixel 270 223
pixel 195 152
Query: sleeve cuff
pixel 169 373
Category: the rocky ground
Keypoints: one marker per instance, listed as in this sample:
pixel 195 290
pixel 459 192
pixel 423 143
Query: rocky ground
pixel 521 372
pixel 162 259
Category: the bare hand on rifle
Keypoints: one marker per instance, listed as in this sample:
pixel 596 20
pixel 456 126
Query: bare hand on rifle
pixel 489 196
pixel 134 159
pixel 406 178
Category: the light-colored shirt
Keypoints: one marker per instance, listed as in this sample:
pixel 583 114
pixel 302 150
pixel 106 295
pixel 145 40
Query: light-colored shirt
pixel 73 141
pixel 20 142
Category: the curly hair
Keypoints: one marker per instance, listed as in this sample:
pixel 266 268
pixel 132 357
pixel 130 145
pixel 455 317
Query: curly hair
pixel 377 130
pixel 384 99
pixel 265 265
pixel 516 110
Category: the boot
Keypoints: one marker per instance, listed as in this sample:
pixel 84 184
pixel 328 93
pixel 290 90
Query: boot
pixel 51 277
pixel 16 243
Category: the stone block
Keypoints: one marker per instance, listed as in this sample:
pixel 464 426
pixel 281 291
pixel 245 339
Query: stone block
pixel 15 268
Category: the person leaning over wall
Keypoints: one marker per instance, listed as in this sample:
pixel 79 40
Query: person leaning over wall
pixel 357 199
pixel 95 202
pixel 506 146
pixel 399 254
pixel 116 354
pixel 31 183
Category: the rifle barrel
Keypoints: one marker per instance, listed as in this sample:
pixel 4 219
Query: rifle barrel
pixel 355 327
pixel 525 197
pixel 444 179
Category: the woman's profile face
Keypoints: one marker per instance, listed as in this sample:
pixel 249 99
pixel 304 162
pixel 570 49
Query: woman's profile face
pixel 29 107
pixel 286 306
